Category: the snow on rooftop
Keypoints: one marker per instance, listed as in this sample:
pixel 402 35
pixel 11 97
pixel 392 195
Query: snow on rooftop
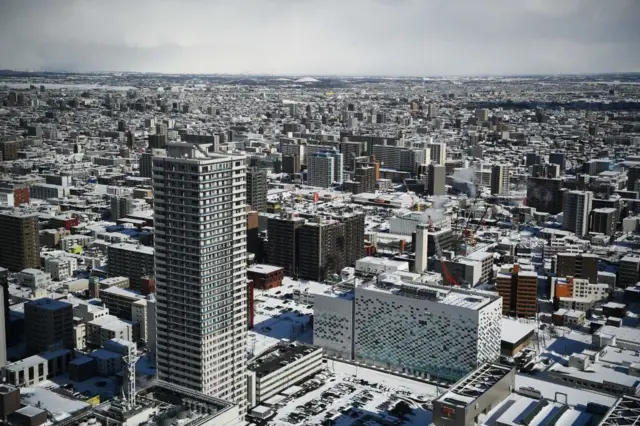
pixel 263 269
pixel 575 396
pixel 513 330
pixel 60 406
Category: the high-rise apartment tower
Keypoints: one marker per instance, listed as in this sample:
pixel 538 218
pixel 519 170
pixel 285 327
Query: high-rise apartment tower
pixel 200 213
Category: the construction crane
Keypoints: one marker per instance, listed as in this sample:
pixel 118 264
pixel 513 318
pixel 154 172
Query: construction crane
pixel 448 277
pixel 472 235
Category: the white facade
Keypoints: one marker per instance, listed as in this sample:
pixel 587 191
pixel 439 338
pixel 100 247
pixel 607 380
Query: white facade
pixel 152 326
pixel 380 265
pixel 139 314
pixel 106 328
pixel 333 324
pixel 37 368
pixel 421 249
pixel 421 330
pixel 438 153
pixel 408 223
pixel 200 247
pixel 324 169
pixel 594 292
pixel 577 207
pixel 61 268
pixel 271 373
pixel 34 278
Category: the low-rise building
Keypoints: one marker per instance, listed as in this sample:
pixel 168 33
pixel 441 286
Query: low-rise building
pixel 279 368
pixel 38 368
pixel 378 265
pixel 108 327
pixel 34 278
pixel 265 277
pixel 476 393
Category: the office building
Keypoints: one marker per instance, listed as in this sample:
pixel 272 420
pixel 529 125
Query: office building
pixel 280 367
pixel 283 240
pixel 133 261
pixel 5 306
pixel 577 207
pixel 48 325
pixel 633 175
pixel 38 368
pixel 121 206
pixel 400 158
pixel 158 141
pixel 603 220
pixel 325 169
pixel 3 330
pixel 353 224
pixel 545 195
pixel 532 159
pixel 201 281
pixel 578 265
pixel 482 114
pixel 323 253
pixel 558 158
pixel 257 189
pixel 500 179
pixel 519 291
pixel 436 175
pixel 350 151
pixel 629 270
pixel 365 176
pixel 144 164
pixel 422 330
pixel 421 246
pixel 46 191
pixel 20 243
pixel 290 163
pixel 438 153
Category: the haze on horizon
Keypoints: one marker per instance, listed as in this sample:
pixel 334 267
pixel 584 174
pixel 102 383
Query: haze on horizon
pixel 316 37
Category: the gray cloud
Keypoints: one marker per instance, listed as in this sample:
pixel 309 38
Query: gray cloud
pixel 355 37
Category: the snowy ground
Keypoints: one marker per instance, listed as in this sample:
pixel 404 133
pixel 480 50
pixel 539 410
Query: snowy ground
pixel 277 318
pixel 348 399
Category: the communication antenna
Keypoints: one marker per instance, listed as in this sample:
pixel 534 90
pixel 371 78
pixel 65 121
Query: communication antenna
pixel 129 385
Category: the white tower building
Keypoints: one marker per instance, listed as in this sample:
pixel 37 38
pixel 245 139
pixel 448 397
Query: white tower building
pixel 577 207
pixel 200 260
pixel 325 168
pixel 422 244
pixel 438 153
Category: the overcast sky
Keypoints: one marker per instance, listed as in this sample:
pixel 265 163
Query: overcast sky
pixel 316 37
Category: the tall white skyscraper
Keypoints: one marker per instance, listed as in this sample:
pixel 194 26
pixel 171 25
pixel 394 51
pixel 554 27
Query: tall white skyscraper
pixel 200 247
pixel 438 152
pixel 577 206
pixel 325 168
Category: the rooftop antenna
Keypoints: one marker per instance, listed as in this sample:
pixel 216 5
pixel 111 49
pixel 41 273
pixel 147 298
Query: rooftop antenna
pixel 129 385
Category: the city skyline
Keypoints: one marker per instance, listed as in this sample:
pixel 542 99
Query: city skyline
pixel 280 37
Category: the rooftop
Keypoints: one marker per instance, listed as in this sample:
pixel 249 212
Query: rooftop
pixel 475 384
pixel 279 356
pixel 133 247
pixel 513 331
pixel 469 299
pixel 159 404
pixel 263 269
pixel 50 304
pixel 626 411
